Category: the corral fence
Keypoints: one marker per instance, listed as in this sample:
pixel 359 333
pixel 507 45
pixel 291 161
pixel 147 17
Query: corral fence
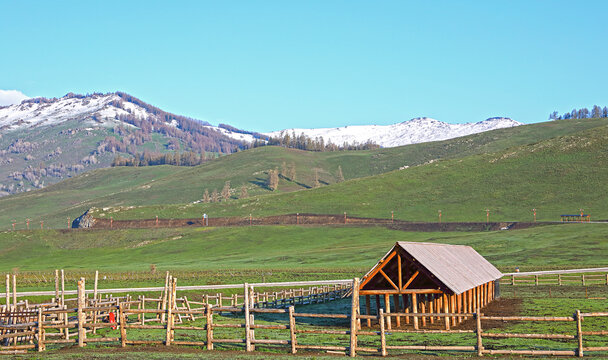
pixel 193 324
pixel 584 277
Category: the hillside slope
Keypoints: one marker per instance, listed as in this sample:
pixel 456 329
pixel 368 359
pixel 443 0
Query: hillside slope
pixel 555 176
pixel 43 141
pixel 162 185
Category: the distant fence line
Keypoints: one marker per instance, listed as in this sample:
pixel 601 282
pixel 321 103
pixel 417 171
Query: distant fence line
pixel 584 277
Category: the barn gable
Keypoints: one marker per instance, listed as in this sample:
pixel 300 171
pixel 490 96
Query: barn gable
pixel 426 268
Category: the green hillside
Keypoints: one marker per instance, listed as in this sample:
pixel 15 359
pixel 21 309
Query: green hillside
pixel 165 185
pixel 555 176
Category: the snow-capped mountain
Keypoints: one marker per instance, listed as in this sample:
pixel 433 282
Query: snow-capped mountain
pixel 414 131
pixel 43 141
pixel 97 110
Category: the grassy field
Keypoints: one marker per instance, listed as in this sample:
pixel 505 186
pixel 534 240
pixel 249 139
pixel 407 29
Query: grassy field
pixel 290 249
pixel 556 176
pixel 161 185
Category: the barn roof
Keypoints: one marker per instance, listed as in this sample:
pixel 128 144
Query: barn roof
pixel 458 267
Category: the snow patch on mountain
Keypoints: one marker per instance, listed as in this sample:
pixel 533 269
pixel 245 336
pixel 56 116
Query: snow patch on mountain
pixel 414 131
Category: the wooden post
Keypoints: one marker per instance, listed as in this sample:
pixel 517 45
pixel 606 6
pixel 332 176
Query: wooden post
pixel 512 279
pixel 354 315
pixel 406 307
pixel 15 291
pixel 382 333
pixel 478 331
pixel 57 286
pixel 453 308
pixel 387 310
pixel 123 325
pixel 292 330
pixel 579 332
pixel 143 306
pixel 432 308
pixel 559 279
pixel 397 309
pixel 446 310
pixel 536 280
pixel 247 319
pixel 582 279
pixel 8 292
pixel 62 287
pixel 81 314
pixel 169 323
pixel 209 326
pixel 164 299
pixel 378 304
pixel 414 310
pixel 368 309
pixel 40 346
pixel 95 286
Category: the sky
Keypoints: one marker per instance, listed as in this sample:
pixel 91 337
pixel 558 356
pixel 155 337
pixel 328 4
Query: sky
pixel 269 65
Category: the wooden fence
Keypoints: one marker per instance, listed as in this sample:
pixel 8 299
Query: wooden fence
pixel 556 279
pixel 52 323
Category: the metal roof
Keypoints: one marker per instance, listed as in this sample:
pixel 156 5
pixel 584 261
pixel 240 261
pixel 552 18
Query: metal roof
pixel 458 267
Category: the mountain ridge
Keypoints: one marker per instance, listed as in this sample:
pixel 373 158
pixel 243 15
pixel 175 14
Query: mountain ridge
pixel 414 131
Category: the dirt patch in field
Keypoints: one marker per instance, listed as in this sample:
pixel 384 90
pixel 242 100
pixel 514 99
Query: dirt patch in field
pixel 311 219
pixel 498 307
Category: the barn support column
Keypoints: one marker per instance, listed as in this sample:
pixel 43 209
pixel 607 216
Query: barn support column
pixel 432 308
pixel 378 304
pixel 387 309
pixel 446 309
pixel 415 310
pixel 406 307
pixel 368 310
pixel 397 309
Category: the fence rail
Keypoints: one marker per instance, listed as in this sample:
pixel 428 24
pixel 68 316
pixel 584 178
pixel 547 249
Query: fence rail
pixel 54 323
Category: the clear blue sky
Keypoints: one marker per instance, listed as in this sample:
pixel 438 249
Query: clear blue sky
pixel 265 65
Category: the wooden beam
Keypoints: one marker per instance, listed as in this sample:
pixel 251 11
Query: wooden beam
pixel 399 271
pixel 379 267
pixel 389 279
pixel 411 291
pixel 410 280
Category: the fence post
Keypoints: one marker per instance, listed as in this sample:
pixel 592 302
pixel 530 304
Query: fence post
pixel 164 298
pixel 169 316
pixel 536 280
pixel 354 312
pixel 8 292
pixel 559 279
pixel 579 332
pixel 479 340
pixel 382 333
pixel 512 279
pixel 583 279
pixel 57 286
pixel 292 330
pixel 81 314
pixel 247 319
pixel 41 346
pixel 209 327
pixel 123 325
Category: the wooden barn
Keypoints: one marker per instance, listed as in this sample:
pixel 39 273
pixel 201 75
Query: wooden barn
pixel 430 278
